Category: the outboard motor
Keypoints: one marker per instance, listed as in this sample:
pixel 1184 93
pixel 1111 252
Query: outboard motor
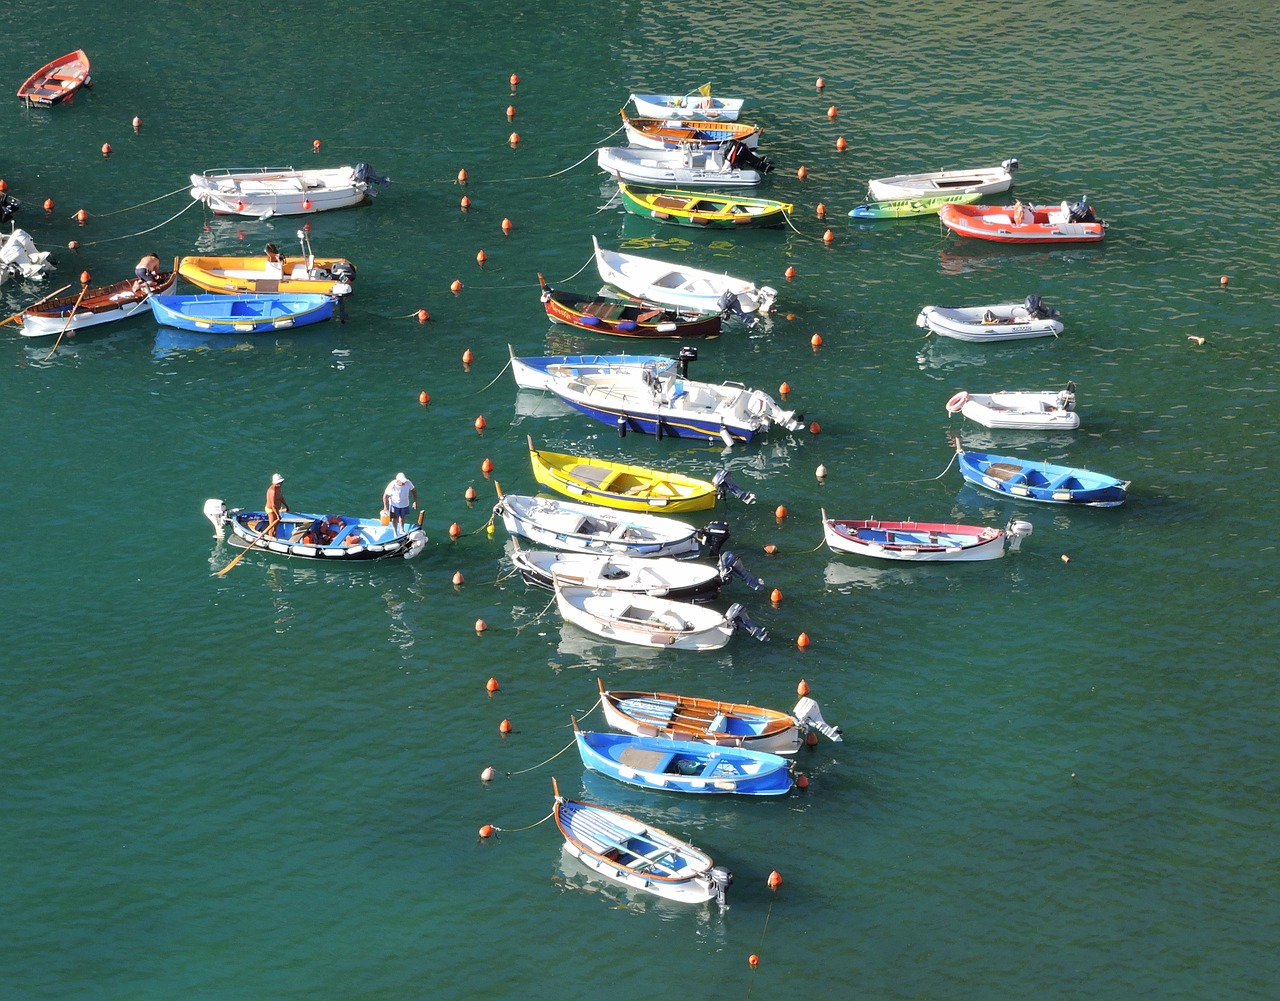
pixel 1010 164
pixel 809 717
pixel 1017 530
pixel 343 271
pixel 366 175
pixel 731 565
pixel 216 511
pixel 729 305
pixel 721 878
pixel 1067 397
pixel 8 206
pixel 1082 211
pixel 689 353
pixel 1038 310
pixel 713 537
pixel 742 157
pixel 724 484
pixel 738 616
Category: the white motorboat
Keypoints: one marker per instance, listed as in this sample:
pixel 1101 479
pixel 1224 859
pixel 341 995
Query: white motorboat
pixel 263 192
pixel 1007 321
pixel 731 165
pixel 980 180
pixel 1028 410
pixel 643 620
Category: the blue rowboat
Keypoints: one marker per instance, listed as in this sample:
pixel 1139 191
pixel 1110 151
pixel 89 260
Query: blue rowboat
pixel 1044 482
pixel 246 313
pixel 683 765
pixel 341 538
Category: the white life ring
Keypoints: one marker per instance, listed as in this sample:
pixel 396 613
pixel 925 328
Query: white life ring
pixel 956 402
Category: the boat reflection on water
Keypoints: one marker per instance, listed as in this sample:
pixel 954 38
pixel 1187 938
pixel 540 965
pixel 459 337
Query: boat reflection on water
pixel 170 342
pixel 947 353
pixel 848 577
pixel 965 256
pixel 580 649
pixel 1038 443
pixel 531 403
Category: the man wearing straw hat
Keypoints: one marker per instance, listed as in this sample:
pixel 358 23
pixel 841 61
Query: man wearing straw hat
pixel 396 498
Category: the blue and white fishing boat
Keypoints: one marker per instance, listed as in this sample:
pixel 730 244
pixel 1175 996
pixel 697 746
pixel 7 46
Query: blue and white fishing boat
pixel 634 853
pixel 1044 482
pixel 243 313
pixel 336 538
pixel 683 765
pixel 671 405
pixel 537 371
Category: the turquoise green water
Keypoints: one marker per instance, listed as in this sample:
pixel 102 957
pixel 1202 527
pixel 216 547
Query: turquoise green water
pixel 1059 776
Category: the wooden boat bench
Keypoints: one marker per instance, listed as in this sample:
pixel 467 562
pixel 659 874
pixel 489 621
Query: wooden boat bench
pixel 1005 471
pixel 645 761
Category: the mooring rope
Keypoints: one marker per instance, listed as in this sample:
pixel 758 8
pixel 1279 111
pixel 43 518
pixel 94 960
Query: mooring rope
pixel 517 830
pixel 130 208
pixel 129 236
pixel 541 763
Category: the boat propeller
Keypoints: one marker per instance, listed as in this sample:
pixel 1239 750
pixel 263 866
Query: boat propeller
pixel 738 616
pixel 731 565
pixel 725 485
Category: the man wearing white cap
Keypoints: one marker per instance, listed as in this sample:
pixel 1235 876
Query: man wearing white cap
pixel 276 504
pixel 396 498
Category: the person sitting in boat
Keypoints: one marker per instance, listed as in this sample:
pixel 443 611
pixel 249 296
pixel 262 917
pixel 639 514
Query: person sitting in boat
pixel 147 273
pixel 275 263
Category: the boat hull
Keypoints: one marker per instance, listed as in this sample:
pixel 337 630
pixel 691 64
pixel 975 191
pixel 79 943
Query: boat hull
pixel 663 577
pixel 587 528
pixel 908 208
pixel 1008 322
pixel 704 211
pixel 912 541
pixel 57 81
pixel 258 276
pixel 979 181
pixel 240 314
pixel 1041 224
pixel 662 168
pixel 1042 482
pixel 693 105
pixel 621 486
pixel 684 766
pixel 101 305
pixel 1019 411
pixel 643 620
pixel 689 288
pixel 279 191
pixel 319 537
pixel 619 319
pixel 538 372
pixel 675 133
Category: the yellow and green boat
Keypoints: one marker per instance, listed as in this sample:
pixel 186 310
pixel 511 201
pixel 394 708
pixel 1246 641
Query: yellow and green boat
pixel 706 210
pixel 619 485
pixel 906 208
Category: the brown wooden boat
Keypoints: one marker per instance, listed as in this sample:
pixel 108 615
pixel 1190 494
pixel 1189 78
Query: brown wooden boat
pixel 56 81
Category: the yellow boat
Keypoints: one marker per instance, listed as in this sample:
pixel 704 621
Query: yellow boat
pixel 703 209
pixel 618 485
pixel 271 273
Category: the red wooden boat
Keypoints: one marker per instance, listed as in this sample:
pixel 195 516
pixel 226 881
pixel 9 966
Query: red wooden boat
pixel 1018 223
pixel 608 316
pixel 54 82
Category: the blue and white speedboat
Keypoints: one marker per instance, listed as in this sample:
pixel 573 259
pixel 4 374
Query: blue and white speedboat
pixel 683 765
pixel 243 313
pixel 1044 482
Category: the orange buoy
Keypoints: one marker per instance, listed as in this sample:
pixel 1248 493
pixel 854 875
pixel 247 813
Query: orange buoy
pixel 784 389
pixel 306 205
pixel 781 512
pixel 514 138
pixel 240 208
pixel 315 145
pixel 481 257
pixel 488 774
pixel 486 466
pixel 4 185
pixel 802 688
pixel 462 176
pixel 822 211
pixel 802 781
pixel 831 111
pixel 789 273
pixel 815 428
pixel 753 959
pixel 82 216
pixel 481 424
pixel 802 641
pixel 821 472
pixel 486 831
pixel 455 530
pixel 106 149
pixel 1224 281
pixel 776 596
pixel 73 244
pixel 841 145
pixel 821 83
pixel 465 203
pixel 470 493
pixel 775 879
pixel 85 278
pixel 481 626
pixel 423 316
pixel 48 204
pixel 457 578
pixel 491 685
pixel 802 173
pixel 816 341
pixel 811 739
pixel 506 225
pixel 771 549
pixel 455 286
pixel 137 123
pixel 504 726
pixel 515 80
pixel 828 236
pixel 511 112
pixel 424 397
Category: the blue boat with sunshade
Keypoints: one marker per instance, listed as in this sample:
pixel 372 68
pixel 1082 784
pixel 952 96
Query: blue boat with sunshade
pixel 244 313
pixel 1044 482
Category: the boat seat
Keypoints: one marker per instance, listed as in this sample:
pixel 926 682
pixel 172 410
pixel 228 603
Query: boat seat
pixel 1004 471
pixel 644 760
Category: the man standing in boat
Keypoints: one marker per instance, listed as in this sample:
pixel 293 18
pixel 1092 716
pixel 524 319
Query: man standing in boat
pixel 147 273
pixel 396 499
pixel 277 505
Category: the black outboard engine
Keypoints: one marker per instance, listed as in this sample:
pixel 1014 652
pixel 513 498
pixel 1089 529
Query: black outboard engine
pixel 367 175
pixel 343 271
pixel 721 879
pixel 738 616
pixel 743 157
pixel 725 485
pixel 1082 211
pixel 731 565
pixel 689 353
pixel 713 537
pixel 1038 310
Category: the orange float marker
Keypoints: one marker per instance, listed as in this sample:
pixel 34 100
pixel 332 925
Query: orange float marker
pixel 462 176
pixel 465 203
pixel 470 494
pixel 831 111
pixel 828 236
pixel 511 112
pixel 423 316
pixel 515 80
pixel 424 397
pixel 137 124
pixel 820 83
pixel 775 879
pixel 457 578
pixel 481 257
pixel 802 641
pixel 455 286
pixel 486 467
pixel 455 530
pixel 514 138
pixel 802 689
pixel 815 428
pixel 784 389
pixel 481 626
pixel 82 217
pixel 486 831
pixel 106 149
pixel 815 341
pixel 85 278
pixel 841 145
pixel 506 225
pixel 776 596
pixel 789 273
pixel 73 244
pixel 822 211
pixel 48 204
pixel 802 173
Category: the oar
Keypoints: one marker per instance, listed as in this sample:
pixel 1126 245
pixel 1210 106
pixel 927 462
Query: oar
pixel 33 305
pixel 492 514
pixel 271 523
pixel 70 317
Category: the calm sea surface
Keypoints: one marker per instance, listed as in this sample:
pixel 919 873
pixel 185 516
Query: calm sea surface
pixel 1059 777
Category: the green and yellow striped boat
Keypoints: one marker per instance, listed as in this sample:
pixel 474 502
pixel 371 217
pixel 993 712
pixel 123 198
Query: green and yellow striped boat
pixel 905 208
pixel 702 209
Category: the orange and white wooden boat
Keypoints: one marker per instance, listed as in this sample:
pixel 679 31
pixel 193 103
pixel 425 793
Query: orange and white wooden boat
pixel 1018 223
pixel 54 82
